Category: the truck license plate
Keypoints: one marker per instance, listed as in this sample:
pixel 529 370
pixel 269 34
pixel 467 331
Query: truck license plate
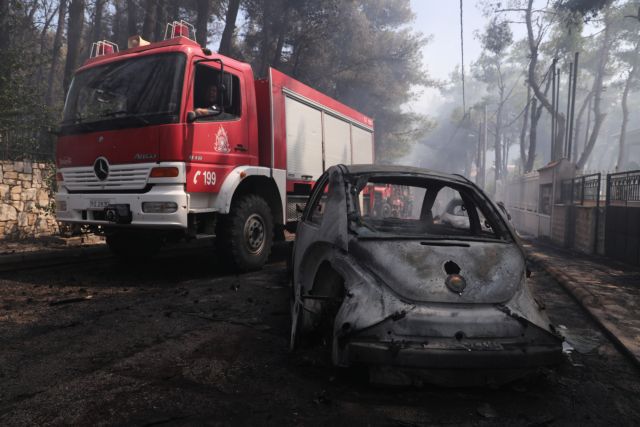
pixel 99 203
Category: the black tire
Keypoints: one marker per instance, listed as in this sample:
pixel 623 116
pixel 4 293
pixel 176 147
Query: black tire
pixel 245 235
pixel 134 246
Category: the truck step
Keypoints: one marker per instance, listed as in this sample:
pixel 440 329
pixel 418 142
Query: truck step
pixel 204 236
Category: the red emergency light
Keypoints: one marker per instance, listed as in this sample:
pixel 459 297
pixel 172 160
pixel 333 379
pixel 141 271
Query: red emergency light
pixel 180 29
pixel 103 47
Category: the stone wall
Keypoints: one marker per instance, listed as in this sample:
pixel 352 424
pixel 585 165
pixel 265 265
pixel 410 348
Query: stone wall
pixel 574 227
pixel 26 205
pixel 584 229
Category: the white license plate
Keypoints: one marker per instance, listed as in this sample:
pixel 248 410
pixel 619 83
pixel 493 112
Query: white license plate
pixel 99 203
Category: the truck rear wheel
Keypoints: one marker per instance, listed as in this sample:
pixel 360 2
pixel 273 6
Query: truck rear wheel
pixel 131 245
pixel 245 235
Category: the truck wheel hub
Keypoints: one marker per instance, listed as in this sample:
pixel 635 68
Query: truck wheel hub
pixel 254 233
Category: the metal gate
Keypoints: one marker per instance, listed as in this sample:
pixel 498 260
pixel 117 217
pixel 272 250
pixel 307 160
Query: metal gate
pixel 622 226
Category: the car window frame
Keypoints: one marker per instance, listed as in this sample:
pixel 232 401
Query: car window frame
pixel 316 194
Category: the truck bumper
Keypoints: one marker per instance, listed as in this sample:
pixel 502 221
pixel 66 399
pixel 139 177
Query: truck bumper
pixel 90 208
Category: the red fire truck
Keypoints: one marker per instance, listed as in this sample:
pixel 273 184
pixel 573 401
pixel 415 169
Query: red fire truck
pixel 168 140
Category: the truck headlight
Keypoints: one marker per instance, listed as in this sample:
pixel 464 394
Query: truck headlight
pixel 159 207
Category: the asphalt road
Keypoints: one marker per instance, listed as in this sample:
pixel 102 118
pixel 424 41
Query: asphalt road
pixel 176 341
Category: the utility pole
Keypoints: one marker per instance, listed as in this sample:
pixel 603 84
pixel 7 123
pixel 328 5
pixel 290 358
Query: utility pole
pixel 573 104
pixel 479 155
pixel 483 149
pixel 566 128
pixel 553 106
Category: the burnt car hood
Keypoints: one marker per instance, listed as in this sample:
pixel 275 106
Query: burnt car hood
pixel 414 269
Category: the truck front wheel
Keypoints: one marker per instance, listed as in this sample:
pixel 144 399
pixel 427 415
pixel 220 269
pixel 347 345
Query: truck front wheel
pixel 245 235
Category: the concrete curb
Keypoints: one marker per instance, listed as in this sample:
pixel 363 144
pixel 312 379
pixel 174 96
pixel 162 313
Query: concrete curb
pixel 591 305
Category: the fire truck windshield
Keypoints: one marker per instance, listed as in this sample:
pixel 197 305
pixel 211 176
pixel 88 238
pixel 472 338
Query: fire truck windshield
pixel 128 93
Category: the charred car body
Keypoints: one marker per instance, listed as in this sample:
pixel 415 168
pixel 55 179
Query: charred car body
pixel 411 296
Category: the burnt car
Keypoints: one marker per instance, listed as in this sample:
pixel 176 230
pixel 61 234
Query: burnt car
pixel 411 296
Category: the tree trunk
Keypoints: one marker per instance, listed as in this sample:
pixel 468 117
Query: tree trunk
pixel 282 33
pixel 297 53
pixel 202 19
pixel 43 46
pixel 97 21
pixel 55 53
pixel 266 39
pixel 149 24
pixel 161 20
pixel 625 108
pixel 5 43
pixel 119 29
pixel 505 155
pixel 523 132
pixel 533 133
pixel 533 55
pixel 45 30
pixel 132 19
pixel 174 10
pixel 229 27
pixel 583 108
pixel 74 35
pixel 536 112
pixel 4 24
pixel 598 116
pixel 497 142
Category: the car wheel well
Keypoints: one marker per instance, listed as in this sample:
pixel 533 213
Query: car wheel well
pixel 329 290
pixel 327 282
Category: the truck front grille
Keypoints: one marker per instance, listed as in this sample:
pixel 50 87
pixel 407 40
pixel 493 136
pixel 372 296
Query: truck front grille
pixel 121 177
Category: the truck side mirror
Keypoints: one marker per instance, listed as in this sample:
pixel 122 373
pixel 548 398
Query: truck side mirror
pixel 191 116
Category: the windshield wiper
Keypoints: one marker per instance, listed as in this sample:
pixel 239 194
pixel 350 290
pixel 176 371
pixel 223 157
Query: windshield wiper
pixel 79 121
pixel 441 243
pixel 123 114
pixel 114 113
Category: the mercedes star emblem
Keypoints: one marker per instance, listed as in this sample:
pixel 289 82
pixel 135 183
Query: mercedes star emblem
pixel 101 168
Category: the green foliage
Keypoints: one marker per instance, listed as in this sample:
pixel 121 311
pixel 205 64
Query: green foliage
pixel 24 119
pixel 497 37
pixel 360 52
pixel 585 8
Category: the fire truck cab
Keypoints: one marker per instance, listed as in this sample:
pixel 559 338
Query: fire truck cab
pixel 168 140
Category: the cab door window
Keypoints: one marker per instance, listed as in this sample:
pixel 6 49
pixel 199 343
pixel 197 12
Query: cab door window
pixel 213 100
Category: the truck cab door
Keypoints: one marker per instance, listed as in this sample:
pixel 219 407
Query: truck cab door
pixel 218 140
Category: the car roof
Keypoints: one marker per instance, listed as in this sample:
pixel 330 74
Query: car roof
pixel 402 170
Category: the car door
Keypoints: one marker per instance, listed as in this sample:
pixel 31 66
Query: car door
pixel 323 226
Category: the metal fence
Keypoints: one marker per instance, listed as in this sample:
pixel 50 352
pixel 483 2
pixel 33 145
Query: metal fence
pixel 581 189
pixel 26 138
pixel 623 187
